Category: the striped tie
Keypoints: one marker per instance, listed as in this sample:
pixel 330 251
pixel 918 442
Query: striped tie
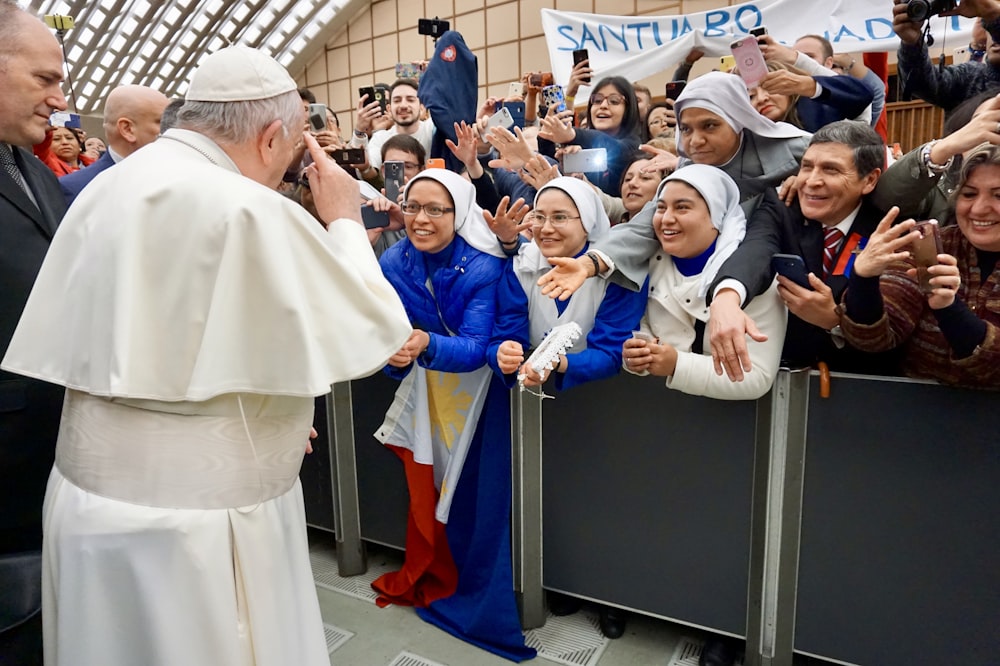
pixel 832 237
pixel 10 166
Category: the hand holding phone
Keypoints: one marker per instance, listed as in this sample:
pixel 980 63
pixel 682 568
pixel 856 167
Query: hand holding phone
pixel 674 89
pixel 581 55
pixel 393 172
pixel 374 95
pixel 590 160
pixel 317 117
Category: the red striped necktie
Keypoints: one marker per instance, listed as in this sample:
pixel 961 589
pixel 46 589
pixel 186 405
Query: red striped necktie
pixel 832 238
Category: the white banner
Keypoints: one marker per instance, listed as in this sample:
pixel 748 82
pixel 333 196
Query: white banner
pixel 640 46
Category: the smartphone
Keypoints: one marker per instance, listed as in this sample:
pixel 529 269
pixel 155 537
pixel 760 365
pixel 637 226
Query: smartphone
pixel 501 118
pixel 726 63
pixel 516 89
pixel 516 110
pixel 554 95
pixel 374 219
pixel 961 55
pixel 374 95
pixel 541 79
pixel 393 172
pixel 589 160
pixel 759 31
pixel 792 267
pixel 579 56
pixel 643 335
pixel 436 163
pixel 749 60
pixel 925 251
pixel 674 89
pixel 407 70
pixel 348 156
pixel 317 117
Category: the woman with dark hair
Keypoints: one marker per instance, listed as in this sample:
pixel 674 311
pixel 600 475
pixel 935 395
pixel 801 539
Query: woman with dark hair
pixel 612 123
pixel 62 151
pixel 659 122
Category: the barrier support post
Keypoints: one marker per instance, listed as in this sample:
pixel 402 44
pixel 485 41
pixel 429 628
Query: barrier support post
pixel 351 555
pixel 526 513
pixel 779 463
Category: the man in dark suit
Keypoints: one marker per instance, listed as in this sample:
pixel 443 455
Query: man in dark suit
pixel 830 221
pixel 31 206
pixel 131 120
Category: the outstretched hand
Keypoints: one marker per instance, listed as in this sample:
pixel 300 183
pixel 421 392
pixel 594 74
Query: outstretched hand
pixel 566 277
pixel 507 223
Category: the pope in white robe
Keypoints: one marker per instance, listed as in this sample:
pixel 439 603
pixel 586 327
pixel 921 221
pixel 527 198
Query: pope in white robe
pixel 193 314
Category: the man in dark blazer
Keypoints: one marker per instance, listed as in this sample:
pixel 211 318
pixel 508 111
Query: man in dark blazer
pixel 31 71
pixel 131 120
pixel 839 169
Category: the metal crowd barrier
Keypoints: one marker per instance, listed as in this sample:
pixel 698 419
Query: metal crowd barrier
pixel 859 528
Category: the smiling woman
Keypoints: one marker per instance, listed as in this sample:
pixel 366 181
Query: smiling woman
pixel 947 324
pixel 698 223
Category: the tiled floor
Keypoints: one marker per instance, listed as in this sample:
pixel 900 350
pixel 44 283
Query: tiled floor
pixel 361 634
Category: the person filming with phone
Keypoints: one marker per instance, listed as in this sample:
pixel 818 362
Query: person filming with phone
pixel 932 291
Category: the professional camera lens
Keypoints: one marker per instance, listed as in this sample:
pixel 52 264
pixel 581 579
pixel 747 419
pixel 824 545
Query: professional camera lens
pixel 918 10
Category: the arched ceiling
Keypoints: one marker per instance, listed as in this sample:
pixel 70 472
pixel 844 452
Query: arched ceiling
pixel 160 43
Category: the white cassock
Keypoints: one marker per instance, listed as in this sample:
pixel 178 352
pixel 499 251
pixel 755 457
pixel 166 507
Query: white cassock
pixel 193 315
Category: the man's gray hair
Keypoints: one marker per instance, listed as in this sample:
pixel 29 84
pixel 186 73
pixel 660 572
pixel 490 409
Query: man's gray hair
pixel 241 122
pixel 867 144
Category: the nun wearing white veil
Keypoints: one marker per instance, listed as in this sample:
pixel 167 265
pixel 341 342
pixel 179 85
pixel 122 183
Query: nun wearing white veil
pixel 567 217
pixel 699 224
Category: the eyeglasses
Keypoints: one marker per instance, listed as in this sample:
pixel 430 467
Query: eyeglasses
pixel 557 220
pixel 659 122
pixel 613 100
pixel 430 210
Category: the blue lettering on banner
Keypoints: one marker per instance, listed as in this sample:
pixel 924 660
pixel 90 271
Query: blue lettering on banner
pixel 714 21
pixel 585 36
pixel 685 28
pixel 638 31
pixel 844 30
pixel 656 34
pixel 567 32
pixel 743 11
pixel 605 30
pixel 885 23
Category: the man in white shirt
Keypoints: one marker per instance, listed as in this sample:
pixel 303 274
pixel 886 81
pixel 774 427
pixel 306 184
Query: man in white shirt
pixel 404 108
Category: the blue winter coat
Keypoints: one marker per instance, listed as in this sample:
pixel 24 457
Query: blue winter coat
pixel 459 313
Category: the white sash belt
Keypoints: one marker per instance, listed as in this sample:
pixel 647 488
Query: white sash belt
pixel 178 461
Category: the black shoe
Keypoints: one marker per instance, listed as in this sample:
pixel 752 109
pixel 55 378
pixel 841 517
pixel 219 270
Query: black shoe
pixel 718 652
pixel 612 621
pixel 562 604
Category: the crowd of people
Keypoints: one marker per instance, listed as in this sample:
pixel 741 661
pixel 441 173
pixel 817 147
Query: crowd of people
pixel 707 240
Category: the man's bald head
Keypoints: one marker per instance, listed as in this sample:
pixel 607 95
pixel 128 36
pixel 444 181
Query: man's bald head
pixel 132 117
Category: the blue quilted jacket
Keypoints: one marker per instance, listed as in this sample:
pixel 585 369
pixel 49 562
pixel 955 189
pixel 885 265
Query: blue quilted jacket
pixel 458 314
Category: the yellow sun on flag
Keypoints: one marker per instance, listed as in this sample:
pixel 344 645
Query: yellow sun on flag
pixel 448 404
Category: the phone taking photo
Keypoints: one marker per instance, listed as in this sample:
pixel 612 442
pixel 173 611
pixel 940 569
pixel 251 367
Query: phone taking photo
pixel 501 118
pixel 393 172
pixel 749 61
pixel 925 251
pixel 374 95
pixel 674 89
pixel 317 117
pixel 579 56
pixel 348 156
pixel 590 160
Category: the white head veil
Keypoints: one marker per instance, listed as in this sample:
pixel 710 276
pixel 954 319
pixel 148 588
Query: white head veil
pixel 592 215
pixel 726 96
pixel 469 221
pixel 723 199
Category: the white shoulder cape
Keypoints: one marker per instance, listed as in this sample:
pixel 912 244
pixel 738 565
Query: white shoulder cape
pixel 173 277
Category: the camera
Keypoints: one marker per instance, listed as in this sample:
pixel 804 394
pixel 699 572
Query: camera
pixel 433 27
pixel 921 10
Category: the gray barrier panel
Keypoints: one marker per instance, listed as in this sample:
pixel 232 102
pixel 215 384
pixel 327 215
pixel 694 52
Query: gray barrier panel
pixel 381 481
pixel 900 536
pixel 647 499
pixel 317 484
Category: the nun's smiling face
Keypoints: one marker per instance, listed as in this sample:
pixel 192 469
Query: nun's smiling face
pixel 706 138
pixel 429 233
pixel 682 221
pixel 556 225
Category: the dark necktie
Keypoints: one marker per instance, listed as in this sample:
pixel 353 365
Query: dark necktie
pixel 10 166
pixel 832 237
